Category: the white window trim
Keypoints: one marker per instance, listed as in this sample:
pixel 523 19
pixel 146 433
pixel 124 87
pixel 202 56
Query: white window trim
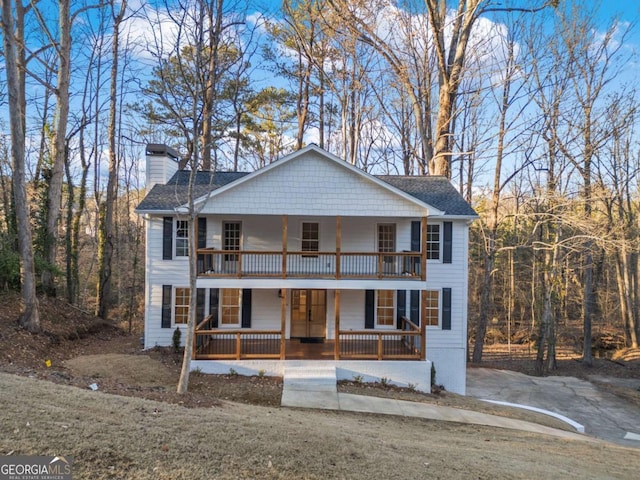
pixel 439 325
pixel 175 239
pixel 310 252
pixel 440 243
pixel 395 312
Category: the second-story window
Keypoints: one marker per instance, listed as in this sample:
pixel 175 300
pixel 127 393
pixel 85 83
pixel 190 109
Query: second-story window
pixel 433 242
pixel 182 238
pixel 310 237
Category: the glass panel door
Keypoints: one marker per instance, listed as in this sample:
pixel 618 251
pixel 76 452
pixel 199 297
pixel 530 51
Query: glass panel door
pixel 231 239
pixel 387 243
pixel 308 313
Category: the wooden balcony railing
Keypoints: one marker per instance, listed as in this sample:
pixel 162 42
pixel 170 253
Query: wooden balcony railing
pixel 403 344
pixel 333 265
pixel 219 344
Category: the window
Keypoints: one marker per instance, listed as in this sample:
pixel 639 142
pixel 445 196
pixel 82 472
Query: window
pixel 310 237
pixel 387 237
pixel 385 311
pixel 433 242
pixel 182 238
pixel 230 306
pixel 387 243
pixel 432 308
pixel 181 309
pixel 231 236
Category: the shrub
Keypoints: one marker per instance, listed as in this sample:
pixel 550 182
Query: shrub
pixel 433 374
pixel 175 340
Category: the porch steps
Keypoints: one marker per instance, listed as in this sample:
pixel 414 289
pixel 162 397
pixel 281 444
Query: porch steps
pixel 310 387
pixel 310 378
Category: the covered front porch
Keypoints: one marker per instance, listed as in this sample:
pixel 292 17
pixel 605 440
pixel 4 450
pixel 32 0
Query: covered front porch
pixel 242 345
pixel 307 332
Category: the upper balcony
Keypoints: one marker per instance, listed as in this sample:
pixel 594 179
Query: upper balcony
pixel 335 265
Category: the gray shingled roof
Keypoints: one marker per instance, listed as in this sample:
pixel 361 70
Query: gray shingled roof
pixel 174 192
pixel 435 191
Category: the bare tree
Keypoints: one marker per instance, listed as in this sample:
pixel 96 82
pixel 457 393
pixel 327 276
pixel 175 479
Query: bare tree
pixel 511 90
pixel 198 66
pixel 13 40
pixel 106 236
pixel 592 66
pixel 449 37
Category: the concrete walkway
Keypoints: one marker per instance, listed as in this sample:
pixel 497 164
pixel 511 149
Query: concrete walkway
pixel 603 414
pixel 307 389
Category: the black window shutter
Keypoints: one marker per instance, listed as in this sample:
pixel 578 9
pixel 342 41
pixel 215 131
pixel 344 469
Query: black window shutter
pixel 200 293
pixel 447 242
pixel 414 307
pixel 416 228
pixel 446 309
pixel 202 232
pixel 166 306
pixel 246 308
pixel 369 308
pixel 214 295
pixel 401 306
pixel 167 238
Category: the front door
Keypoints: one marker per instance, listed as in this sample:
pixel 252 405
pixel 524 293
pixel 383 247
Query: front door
pixel 308 313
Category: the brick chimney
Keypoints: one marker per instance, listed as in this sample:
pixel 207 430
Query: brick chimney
pixel 162 163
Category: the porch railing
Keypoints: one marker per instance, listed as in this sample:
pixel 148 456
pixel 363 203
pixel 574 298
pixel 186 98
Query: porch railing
pixel 402 344
pixel 218 344
pixel 405 343
pixel 334 265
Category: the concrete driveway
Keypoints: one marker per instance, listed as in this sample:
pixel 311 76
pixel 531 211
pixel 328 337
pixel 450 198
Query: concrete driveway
pixel 603 414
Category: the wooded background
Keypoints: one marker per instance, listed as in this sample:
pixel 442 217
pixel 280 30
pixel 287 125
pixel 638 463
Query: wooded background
pixel 529 107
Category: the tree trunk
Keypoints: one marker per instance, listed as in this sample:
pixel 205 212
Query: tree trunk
pixel 485 299
pixel 546 337
pixel 183 382
pixel 106 235
pixel 30 317
pixel 54 200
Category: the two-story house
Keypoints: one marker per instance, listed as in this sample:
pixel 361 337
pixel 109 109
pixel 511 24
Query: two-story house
pixel 311 259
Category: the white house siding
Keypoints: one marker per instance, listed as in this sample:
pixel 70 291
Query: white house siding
pixel 159 169
pixel 308 186
pixel 450 365
pixel 159 272
pixel 264 232
pixel 265 310
pixel 447 349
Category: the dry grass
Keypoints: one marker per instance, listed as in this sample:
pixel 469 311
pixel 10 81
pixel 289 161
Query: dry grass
pixel 112 437
pixel 138 437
